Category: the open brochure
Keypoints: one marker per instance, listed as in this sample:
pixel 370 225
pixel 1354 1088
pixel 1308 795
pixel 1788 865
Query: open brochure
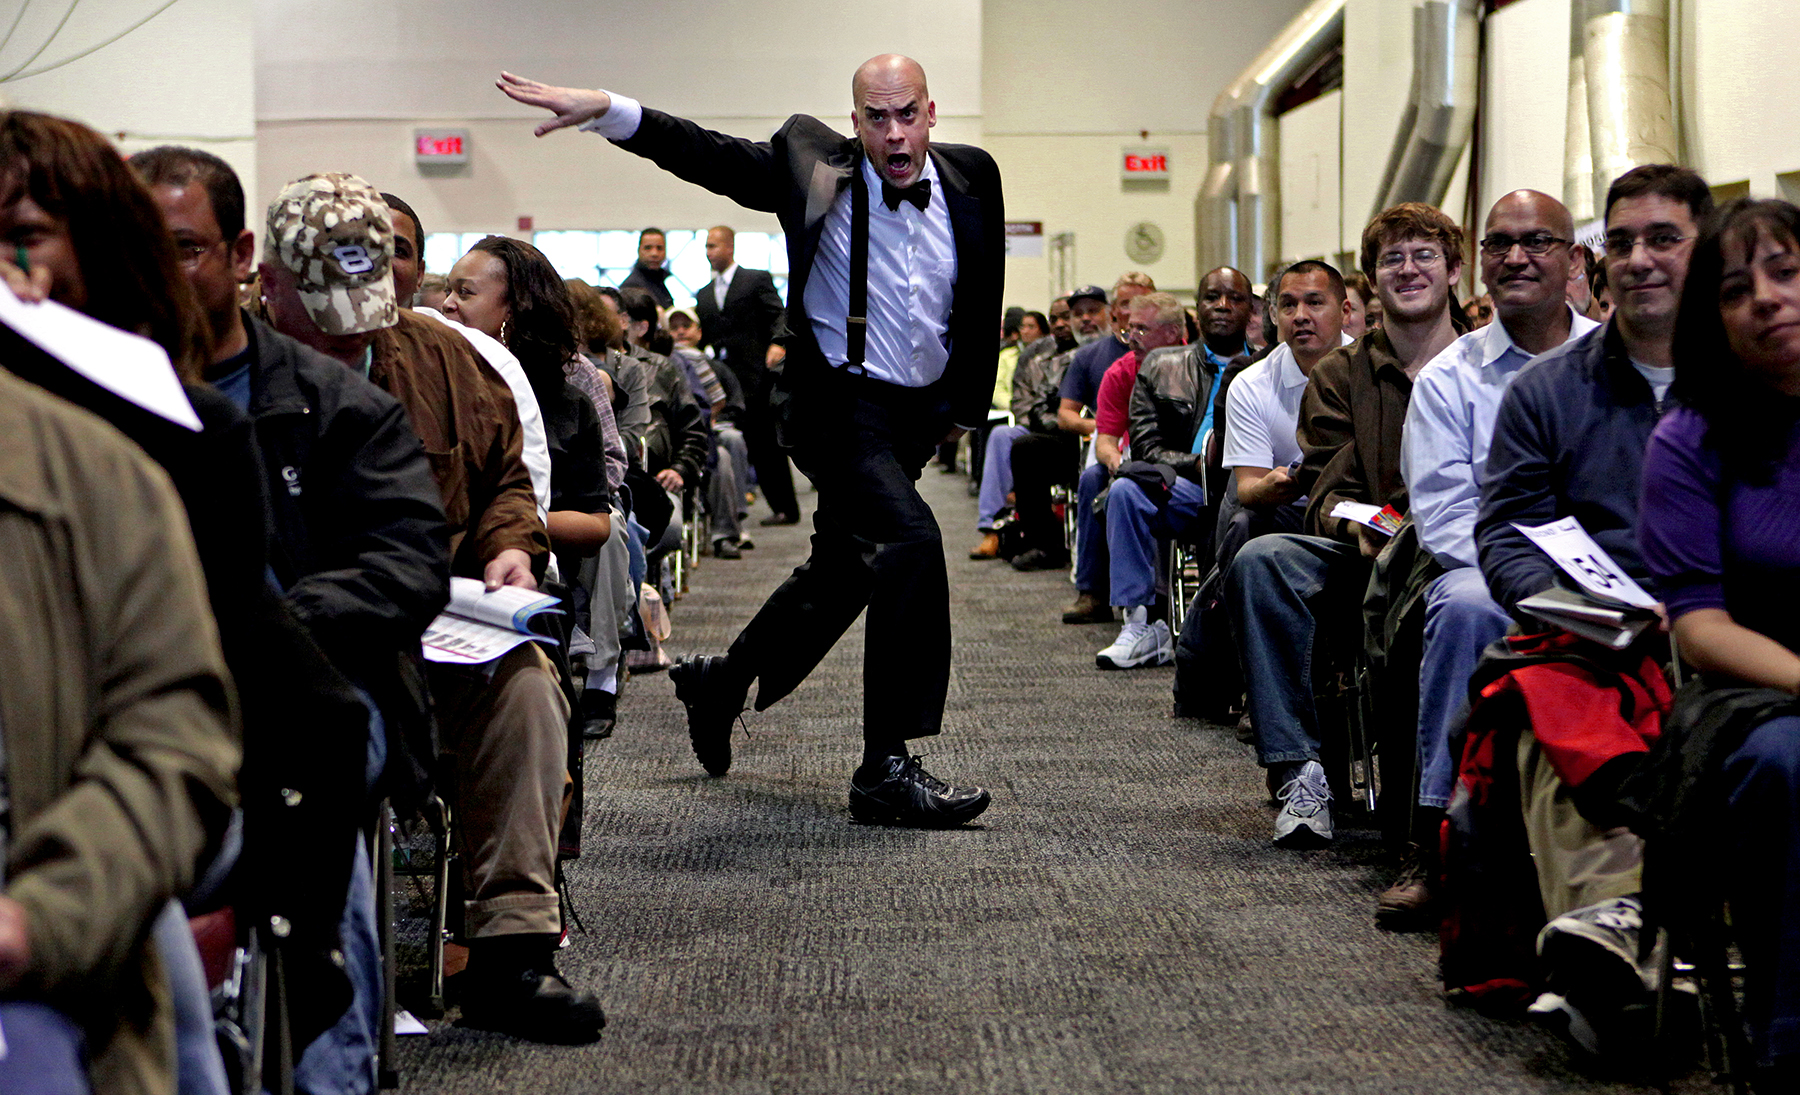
pixel 1609 608
pixel 477 626
pixel 1383 519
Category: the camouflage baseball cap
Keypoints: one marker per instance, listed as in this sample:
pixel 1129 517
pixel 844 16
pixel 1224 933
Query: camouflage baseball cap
pixel 335 234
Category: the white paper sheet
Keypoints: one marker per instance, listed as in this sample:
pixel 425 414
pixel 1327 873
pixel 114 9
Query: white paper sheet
pixel 129 366
pixel 405 1022
pixel 1572 549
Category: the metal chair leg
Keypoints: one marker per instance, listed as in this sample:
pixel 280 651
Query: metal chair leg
pixel 389 1073
pixel 440 912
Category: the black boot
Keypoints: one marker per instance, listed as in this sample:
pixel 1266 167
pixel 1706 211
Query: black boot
pixel 511 986
pixel 598 712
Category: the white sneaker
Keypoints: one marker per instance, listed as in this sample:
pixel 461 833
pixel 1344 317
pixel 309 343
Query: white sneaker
pixel 1305 817
pixel 1139 643
pixel 1593 950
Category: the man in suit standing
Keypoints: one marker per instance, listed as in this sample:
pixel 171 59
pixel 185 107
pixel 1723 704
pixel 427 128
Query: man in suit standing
pixel 739 313
pixel 896 251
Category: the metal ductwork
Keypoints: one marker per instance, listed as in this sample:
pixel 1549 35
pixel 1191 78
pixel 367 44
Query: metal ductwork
pixel 1240 204
pixel 1578 152
pixel 1440 111
pixel 1631 118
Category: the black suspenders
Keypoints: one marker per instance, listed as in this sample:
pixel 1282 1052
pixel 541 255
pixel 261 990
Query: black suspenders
pixel 856 322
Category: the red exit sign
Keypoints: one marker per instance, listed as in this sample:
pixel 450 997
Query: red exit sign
pixel 1144 163
pixel 441 146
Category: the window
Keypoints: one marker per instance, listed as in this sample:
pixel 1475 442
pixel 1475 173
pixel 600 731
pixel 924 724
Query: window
pixel 605 257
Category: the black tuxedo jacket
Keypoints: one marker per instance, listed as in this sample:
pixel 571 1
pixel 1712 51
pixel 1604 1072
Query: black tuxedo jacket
pixel 742 332
pixel 797 174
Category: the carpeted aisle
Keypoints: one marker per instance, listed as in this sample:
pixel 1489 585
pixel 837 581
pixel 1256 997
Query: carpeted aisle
pixel 1117 922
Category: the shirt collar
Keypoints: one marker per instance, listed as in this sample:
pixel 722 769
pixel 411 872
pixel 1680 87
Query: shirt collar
pixel 1283 369
pixel 725 275
pixel 1217 359
pixel 1499 340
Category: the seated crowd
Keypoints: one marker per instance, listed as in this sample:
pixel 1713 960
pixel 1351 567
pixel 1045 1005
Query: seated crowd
pixel 217 674
pixel 1649 393
pixel 226 681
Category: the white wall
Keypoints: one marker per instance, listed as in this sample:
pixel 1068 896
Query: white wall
pixel 185 76
pixel 1741 104
pixel 1066 85
pixel 331 101
pixel 1313 205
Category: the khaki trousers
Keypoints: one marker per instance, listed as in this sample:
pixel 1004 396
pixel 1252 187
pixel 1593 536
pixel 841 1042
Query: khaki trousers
pixel 1577 864
pixel 509 734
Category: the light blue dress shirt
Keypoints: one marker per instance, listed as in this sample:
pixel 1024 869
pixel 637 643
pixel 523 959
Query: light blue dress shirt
pixel 1449 425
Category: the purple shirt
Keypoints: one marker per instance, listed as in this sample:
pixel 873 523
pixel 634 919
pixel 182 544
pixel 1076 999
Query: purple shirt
pixel 1711 543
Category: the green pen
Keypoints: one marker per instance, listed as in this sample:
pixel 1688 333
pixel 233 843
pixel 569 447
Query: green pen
pixel 22 258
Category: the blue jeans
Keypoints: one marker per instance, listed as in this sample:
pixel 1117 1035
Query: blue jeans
pixel 996 474
pixel 1091 555
pixel 1460 621
pixel 45 1051
pixel 1133 523
pixel 1764 781
pixel 1277 591
pixel 341 1061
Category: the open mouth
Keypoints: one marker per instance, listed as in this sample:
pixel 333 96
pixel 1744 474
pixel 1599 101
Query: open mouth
pixel 899 164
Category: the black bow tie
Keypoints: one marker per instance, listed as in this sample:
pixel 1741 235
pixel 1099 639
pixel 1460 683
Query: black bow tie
pixel 918 193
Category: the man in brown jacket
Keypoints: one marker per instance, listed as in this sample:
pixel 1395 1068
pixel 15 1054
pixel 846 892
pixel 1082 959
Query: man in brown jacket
pixel 327 275
pixel 119 754
pixel 1284 588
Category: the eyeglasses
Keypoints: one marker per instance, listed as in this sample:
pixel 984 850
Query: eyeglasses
pixel 1533 243
pixel 1661 241
pixel 1394 260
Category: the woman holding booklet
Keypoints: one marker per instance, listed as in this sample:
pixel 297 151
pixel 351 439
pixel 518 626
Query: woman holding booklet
pixel 1721 533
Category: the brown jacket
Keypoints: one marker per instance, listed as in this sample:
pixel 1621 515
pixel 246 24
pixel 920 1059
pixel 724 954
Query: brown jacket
pixel 1349 432
pixel 115 710
pixel 464 413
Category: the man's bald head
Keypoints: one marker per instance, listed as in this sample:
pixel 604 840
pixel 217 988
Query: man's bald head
pixel 890 70
pixel 1538 206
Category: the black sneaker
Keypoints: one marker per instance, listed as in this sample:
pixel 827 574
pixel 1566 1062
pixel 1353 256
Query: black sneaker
pixel 897 791
pixel 713 700
pixel 725 549
pixel 536 1006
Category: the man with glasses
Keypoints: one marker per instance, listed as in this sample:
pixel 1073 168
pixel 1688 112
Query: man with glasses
pixel 1568 441
pixel 1526 258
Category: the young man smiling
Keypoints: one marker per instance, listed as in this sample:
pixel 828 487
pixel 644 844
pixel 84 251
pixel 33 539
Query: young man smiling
pixel 1283 588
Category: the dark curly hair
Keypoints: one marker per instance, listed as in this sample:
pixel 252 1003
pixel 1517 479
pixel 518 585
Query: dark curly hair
pixel 128 259
pixel 540 331
pixel 1748 422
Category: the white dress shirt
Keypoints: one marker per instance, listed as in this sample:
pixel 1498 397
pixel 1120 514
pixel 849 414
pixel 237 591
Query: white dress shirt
pixel 912 270
pixel 722 285
pixel 912 267
pixel 1449 426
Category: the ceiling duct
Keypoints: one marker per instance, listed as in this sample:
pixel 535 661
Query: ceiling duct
pixel 1440 111
pixel 1631 119
pixel 1240 202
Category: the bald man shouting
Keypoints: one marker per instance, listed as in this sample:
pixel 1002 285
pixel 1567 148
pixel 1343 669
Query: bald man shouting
pixel 896 252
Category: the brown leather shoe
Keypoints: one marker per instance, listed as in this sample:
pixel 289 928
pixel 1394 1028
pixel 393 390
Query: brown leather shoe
pixel 989 548
pixel 1088 610
pixel 1407 905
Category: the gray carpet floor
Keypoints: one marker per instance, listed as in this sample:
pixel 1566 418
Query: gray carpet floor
pixel 1117 922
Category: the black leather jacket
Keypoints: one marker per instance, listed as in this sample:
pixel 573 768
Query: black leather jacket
pixel 1168 403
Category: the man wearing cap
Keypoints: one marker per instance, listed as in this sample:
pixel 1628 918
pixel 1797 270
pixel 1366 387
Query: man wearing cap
pixel 897 255
pixel 327 277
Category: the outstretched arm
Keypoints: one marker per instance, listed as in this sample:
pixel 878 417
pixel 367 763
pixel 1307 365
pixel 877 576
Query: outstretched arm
pixel 571 105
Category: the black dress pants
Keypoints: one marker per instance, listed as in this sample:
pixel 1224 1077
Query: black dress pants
pixel 875 545
pixel 1039 462
pixel 773 477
